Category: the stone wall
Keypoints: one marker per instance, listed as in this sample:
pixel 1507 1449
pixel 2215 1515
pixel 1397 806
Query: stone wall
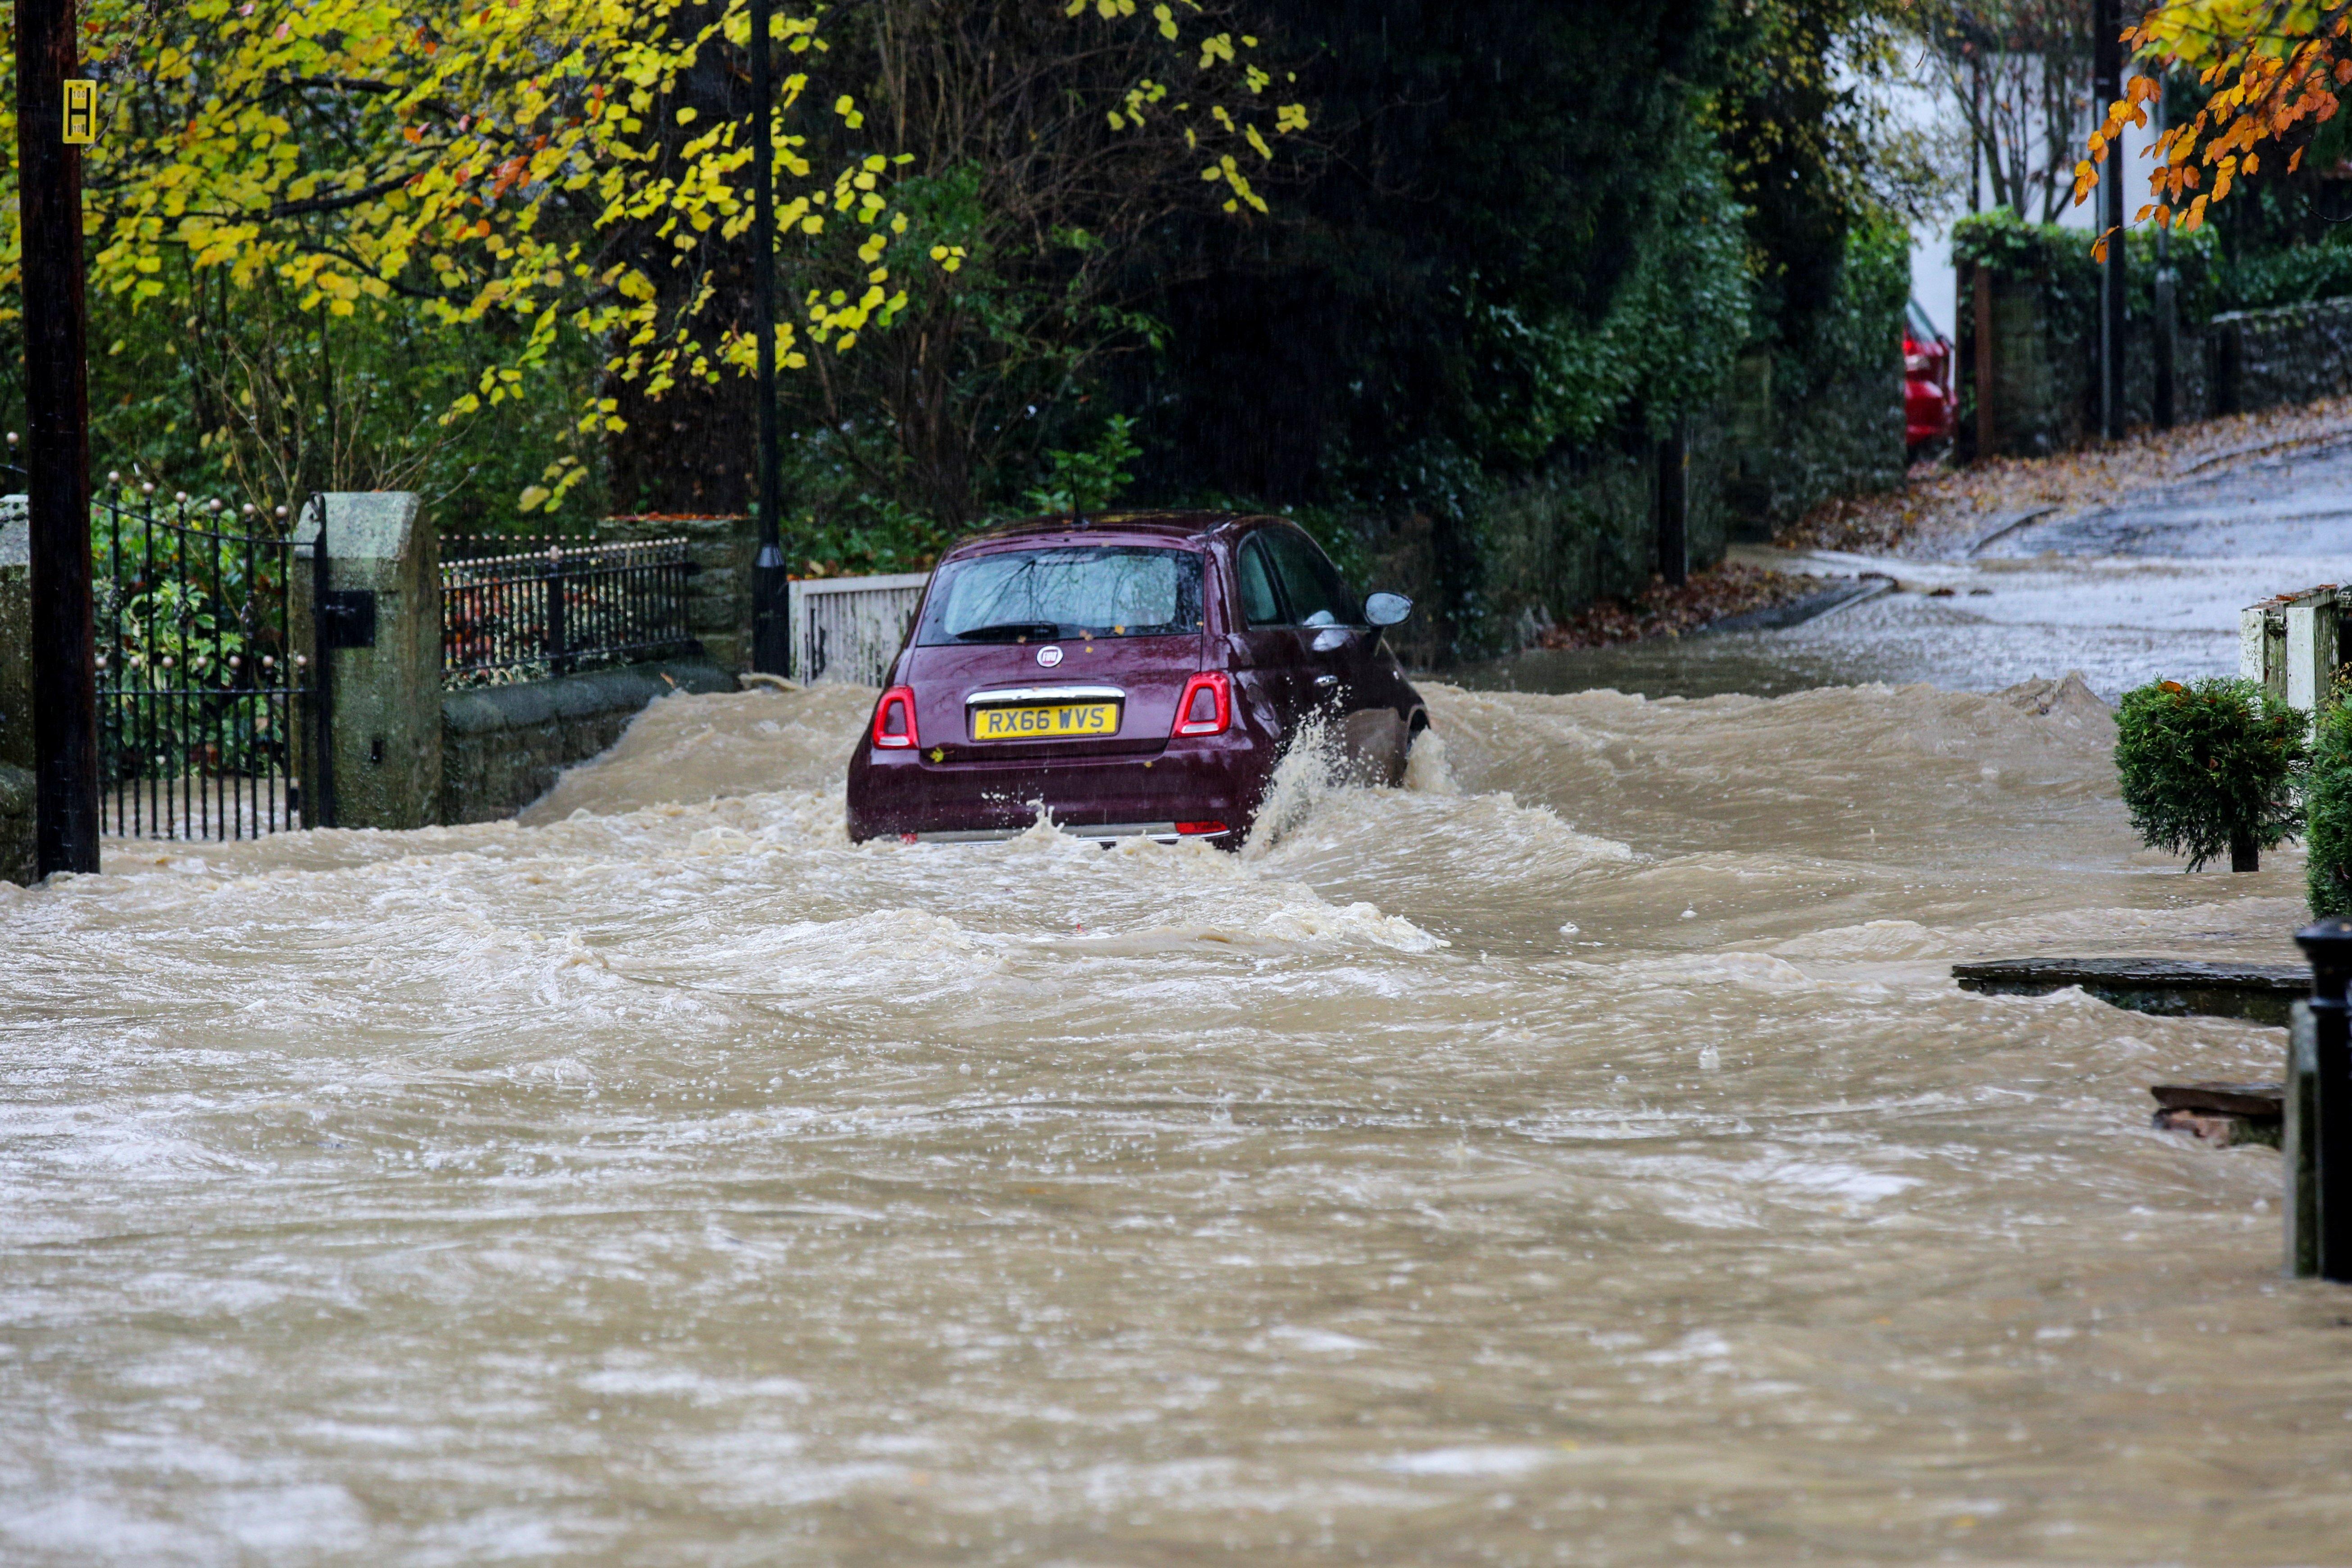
pixel 2260 359
pixel 2045 367
pixel 719 595
pixel 1791 448
pixel 2191 383
pixel 17 857
pixel 1585 529
pixel 503 746
pixel 2040 389
pixel 407 753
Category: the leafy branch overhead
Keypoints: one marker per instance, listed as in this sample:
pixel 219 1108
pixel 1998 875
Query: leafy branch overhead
pixel 2274 72
pixel 537 167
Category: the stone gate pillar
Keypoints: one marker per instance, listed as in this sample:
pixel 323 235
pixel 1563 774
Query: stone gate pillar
pixel 383 574
pixel 17 849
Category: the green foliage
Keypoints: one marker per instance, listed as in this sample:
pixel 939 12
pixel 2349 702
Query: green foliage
pixel 249 398
pixel 1861 326
pixel 2055 258
pixel 2289 277
pixel 2210 767
pixel 2328 808
pixel 1527 238
pixel 2058 259
pixel 1089 480
pixel 184 637
pixel 1814 153
pixel 1663 348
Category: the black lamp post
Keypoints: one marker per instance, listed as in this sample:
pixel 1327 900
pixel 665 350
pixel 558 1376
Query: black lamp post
pixel 65 671
pixel 2107 87
pixel 770 644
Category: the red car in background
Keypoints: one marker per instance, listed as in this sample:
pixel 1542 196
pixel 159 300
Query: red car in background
pixel 1928 404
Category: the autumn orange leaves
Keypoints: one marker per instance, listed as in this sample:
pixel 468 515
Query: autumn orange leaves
pixel 2275 69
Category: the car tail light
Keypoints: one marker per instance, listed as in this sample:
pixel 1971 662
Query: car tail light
pixel 1193 829
pixel 1914 364
pixel 894 719
pixel 1207 705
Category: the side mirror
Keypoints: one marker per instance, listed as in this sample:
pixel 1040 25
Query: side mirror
pixel 1387 609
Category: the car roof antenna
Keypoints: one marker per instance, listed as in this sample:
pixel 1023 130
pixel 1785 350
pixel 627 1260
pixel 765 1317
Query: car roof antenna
pixel 1077 518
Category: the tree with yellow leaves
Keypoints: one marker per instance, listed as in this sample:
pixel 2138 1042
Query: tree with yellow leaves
pixel 508 170
pixel 1056 165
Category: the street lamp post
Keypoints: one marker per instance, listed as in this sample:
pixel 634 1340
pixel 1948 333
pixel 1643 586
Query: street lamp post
pixel 2167 336
pixel 65 673
pixel 2107 87
pixel 771 646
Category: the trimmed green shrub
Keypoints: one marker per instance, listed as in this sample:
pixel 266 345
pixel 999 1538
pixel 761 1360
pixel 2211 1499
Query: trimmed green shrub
pixel 2210 767
pixel 2058 259
pixel 2327 805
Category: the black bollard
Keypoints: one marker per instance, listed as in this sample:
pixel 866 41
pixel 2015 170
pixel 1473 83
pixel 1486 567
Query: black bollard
pixel 2328 1138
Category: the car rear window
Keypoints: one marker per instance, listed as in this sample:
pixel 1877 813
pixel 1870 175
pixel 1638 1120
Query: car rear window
pixel 1065 591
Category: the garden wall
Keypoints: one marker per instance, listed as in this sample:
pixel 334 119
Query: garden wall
pixel 17 859
pixel 1586 527
pixel 2293 353
pixel 719 596
pixel 2032 291
pixel 2045 391
pixel 1793 448
pixel 503 746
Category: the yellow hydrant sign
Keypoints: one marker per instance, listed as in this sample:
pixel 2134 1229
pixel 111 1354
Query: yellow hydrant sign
pixel 81 113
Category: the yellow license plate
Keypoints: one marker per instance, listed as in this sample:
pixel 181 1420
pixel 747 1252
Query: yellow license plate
pixel 1060 721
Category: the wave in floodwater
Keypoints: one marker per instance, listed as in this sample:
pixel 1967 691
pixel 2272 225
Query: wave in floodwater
pixel 1579 1153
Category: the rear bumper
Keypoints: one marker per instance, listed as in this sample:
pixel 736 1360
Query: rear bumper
pixel 1217 778
pixel 1101 833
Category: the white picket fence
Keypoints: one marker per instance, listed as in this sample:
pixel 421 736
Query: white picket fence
pixel 849 629
pixel 2293 643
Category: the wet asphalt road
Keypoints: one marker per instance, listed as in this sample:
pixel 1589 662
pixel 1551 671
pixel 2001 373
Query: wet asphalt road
pixel 2296 506
pixel 2147 589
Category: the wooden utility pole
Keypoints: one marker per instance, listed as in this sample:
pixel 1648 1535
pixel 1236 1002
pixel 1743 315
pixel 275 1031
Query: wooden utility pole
pixel 1980 309
pixel 771 646
pixel 65 673
pixel 2107 87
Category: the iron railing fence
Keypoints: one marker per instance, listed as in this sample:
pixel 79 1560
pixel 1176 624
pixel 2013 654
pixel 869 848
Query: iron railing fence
pixel 476 546
pixel 203 700
pixel 567 607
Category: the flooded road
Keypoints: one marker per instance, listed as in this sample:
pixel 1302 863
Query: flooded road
pixel 1967 625
pixel 2148 587
pixel 1580 1154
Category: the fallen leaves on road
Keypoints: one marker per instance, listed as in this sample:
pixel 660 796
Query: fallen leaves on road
pixel 1660 611
pixel 1942 510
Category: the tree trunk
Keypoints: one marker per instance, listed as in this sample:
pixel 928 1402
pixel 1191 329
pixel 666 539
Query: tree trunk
pixel 2245 854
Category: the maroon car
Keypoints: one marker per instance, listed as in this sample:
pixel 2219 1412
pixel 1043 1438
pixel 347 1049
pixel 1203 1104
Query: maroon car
pixel 1134 676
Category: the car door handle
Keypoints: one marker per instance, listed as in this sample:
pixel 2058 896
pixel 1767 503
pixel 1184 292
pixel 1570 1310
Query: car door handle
pixel 1327 681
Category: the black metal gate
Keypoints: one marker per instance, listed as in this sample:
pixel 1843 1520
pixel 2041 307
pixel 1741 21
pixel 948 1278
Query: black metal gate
pixel 203 700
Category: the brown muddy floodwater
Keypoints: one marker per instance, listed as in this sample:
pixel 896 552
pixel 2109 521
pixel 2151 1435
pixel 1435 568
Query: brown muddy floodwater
pixel 1581 1155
